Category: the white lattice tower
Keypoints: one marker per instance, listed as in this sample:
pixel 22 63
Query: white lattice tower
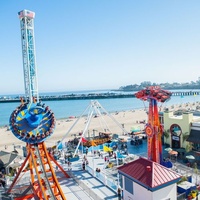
pixel 28 54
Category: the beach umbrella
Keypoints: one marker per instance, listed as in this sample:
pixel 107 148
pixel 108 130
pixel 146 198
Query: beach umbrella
pixel 168 149
pixel 119 155
pixel 190 157
pixel 173 152
pixel 107 149
pixel 60 146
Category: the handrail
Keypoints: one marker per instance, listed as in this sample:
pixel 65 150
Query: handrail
pixel 85 187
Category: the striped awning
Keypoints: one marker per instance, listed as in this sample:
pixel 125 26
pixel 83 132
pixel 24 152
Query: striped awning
pixel 194 136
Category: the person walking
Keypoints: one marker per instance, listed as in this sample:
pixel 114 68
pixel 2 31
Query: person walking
pixel 83 165
pixel 119 193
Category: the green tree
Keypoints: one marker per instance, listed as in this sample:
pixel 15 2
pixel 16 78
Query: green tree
pixel 166 133
pixel 185 136
pixel 189 147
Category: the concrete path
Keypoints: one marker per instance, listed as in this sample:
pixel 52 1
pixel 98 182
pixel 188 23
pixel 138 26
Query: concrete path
pixel 87 183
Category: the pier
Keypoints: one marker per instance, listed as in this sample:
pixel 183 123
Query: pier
pixel 93 96
pixel 189 93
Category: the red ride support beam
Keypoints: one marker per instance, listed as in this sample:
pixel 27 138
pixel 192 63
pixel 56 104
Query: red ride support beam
pixel 20 170
pixel 150 123
pixel 156 126
pixel 64 172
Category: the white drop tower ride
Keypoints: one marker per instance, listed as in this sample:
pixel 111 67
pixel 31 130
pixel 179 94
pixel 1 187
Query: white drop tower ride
pixel 28 55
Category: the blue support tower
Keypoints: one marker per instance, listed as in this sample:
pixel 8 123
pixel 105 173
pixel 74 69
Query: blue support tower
pixel 28 55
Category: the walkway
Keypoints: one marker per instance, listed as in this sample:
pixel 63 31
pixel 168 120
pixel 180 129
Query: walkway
pixel 87 183
pixel 71 189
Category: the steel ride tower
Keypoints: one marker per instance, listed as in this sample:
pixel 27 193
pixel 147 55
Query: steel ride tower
pixel 28 54
pixel 154 129
pixel 33 122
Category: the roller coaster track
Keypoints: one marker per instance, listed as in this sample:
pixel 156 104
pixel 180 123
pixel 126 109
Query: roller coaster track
pixel 43 177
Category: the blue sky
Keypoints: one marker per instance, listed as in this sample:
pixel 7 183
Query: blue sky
pixel 102 44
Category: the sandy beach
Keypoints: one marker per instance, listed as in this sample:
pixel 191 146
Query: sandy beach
pixel 113 121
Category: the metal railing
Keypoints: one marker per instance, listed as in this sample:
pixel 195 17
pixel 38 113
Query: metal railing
pixel 181 196
pixel 104 178
pixel 91 194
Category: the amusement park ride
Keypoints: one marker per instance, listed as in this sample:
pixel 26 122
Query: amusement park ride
pixel 33 122
pixel 154 129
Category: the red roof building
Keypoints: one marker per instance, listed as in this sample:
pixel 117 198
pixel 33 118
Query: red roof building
pixel 144 177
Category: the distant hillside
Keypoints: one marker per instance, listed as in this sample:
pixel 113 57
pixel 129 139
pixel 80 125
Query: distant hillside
pixel 168 86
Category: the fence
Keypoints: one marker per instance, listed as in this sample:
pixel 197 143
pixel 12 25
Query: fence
pixel 106 180
pixel 181 196
pixel 86 189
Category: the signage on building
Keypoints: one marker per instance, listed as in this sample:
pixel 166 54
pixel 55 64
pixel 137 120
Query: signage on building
pixel 175 138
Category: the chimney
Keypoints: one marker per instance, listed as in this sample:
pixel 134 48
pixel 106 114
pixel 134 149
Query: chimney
pixel 148 168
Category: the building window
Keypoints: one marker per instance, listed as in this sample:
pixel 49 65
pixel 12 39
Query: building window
pixel 128 185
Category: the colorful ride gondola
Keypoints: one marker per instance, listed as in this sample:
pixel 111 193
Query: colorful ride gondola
pixel 102 138
pixel 32 123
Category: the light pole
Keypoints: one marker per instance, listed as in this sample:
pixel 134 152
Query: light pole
pixel 93 165
pixel 117 166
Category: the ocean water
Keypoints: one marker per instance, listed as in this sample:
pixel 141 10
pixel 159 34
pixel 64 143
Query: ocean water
pixel 67 108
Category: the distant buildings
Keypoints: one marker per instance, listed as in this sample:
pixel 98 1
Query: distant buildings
pixel 183 128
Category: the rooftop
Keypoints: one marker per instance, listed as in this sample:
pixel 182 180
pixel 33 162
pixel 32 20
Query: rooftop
pixel 149 174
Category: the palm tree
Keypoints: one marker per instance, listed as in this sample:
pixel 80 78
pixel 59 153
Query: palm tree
pixel 189 147
pixel 166 133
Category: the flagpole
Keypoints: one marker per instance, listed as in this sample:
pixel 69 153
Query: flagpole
pixel 93 157
pixel 117 171
pixel 82 147
pixel 93 166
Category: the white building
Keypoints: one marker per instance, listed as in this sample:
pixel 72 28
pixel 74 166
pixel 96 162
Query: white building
pixel 144 179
